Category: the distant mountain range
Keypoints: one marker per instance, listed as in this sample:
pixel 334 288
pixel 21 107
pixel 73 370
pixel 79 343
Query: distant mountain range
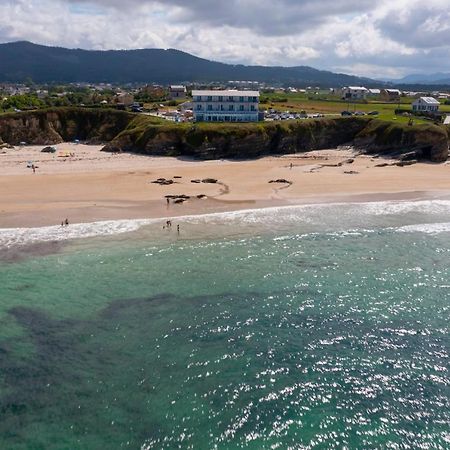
pixel 20 61
pixel 426 79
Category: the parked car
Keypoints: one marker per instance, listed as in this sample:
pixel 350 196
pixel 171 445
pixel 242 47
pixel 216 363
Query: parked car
pixel 360 113
pixel 346 113
pixel 373 113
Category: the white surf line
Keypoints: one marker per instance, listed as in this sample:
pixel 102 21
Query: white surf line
pixel 20 236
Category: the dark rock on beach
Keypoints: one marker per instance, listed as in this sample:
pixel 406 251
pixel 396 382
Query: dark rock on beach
pixel 281 181
pixel 406 163
pixel 175 197
pixel 163 182
pixel 48 150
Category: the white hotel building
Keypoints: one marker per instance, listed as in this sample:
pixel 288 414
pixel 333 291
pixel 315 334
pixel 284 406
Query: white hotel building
pixel 226 106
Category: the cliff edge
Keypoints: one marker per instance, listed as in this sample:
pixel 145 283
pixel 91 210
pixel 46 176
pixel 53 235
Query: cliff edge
pixel 124 131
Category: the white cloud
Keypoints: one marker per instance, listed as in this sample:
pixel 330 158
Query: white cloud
pixel 376 38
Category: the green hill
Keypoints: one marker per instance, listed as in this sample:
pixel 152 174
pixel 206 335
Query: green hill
pixel 22 60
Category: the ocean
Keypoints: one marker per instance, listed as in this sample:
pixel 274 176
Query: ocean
pixel 303 327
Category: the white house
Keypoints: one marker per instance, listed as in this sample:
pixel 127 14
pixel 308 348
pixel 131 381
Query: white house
pixel 226 106
pixel 426 104
pixel 374 92
pixel 354 93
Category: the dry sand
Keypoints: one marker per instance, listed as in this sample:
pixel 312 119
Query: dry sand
pixel 92 185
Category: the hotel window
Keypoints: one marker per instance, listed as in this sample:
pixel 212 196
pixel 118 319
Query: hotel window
pixel 230 98
pixel 241 99
pixel 220 99
pixel 231 107
pixel 241 107
pixel 199 98
pixel 252 107
pixel 209 107
pixel 209 98
pixel 199 107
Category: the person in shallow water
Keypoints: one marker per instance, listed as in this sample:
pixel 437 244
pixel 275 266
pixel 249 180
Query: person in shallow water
pixel 178 229
pixel 66 222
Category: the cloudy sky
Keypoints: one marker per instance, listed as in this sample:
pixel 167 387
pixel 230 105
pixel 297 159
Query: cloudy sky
pixel 376 38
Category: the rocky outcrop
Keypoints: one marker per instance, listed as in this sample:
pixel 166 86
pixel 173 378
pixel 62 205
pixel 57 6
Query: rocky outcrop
pixel 216 141
pixel 47 127
pixel 421 142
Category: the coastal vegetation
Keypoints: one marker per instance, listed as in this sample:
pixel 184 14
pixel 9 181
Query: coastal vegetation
pixel 123 131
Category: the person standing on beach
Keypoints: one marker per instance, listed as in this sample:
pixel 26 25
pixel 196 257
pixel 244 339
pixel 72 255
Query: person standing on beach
pixel 66 222
pixel 34 168
pixel 168 202
pixel 178 229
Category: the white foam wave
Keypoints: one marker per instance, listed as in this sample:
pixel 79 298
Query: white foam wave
pixel 20 236
pixel 307 213
pixel 364 208
pixel 405 207
pixel 428 228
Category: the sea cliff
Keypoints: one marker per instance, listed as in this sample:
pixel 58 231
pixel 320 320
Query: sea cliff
pixel 52 126
pixel 122 131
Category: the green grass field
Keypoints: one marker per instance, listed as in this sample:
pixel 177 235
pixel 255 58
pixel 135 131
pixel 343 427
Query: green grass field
pixel 296 102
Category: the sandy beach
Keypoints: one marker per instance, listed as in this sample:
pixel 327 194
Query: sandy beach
pixel 83 184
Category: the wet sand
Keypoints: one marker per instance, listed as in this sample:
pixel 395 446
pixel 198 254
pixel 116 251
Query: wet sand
pixel 83 184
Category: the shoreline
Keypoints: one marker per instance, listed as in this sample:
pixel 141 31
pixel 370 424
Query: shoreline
pixel 213 207
pixel 85 185
pixel 39 241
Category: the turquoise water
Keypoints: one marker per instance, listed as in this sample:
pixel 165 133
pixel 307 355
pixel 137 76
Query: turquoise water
pixel 309 327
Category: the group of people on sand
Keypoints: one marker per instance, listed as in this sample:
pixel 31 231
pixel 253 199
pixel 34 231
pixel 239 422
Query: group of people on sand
pixel 65 223
pixel 168 226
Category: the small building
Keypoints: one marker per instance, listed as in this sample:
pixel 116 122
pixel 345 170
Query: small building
pixel 42 93
pixel 426 104
pixel 124 98
pixel 226 106
pixel 177 92
pixel 354 93
pixel 374 92
pixel 390 95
